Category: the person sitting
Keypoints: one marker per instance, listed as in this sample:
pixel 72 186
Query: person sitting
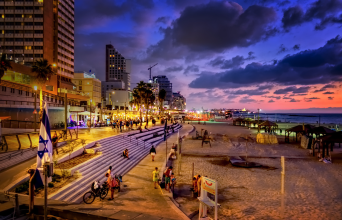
pixel 206 138
pixel 125 153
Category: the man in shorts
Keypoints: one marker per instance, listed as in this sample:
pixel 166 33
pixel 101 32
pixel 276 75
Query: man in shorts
pixel 167 174
pixel 155 177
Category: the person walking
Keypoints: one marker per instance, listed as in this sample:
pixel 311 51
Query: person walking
pixel 54 143
pixel 120 126
pixel 155 177
pixel 110 182
pixel 153 152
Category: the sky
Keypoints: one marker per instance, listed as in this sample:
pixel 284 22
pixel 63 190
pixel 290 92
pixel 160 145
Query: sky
pixel 277 55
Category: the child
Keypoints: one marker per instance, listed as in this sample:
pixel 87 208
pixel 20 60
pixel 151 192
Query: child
pixel 155 177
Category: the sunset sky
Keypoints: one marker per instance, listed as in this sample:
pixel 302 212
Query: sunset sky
pixel 276 55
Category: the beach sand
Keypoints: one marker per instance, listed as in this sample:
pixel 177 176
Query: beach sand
pixel 312 188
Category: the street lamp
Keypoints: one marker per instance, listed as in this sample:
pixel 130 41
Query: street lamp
pixel 35 108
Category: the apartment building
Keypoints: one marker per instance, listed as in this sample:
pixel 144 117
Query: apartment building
pixel 36 29
pixel 89 85
pixel 164 83
pixel 117 67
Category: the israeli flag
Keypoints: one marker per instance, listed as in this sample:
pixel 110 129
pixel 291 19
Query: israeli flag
pixel 45 144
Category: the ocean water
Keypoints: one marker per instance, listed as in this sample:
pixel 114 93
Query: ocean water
pixel 299 117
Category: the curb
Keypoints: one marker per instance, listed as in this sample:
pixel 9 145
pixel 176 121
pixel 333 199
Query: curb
pixel 169 200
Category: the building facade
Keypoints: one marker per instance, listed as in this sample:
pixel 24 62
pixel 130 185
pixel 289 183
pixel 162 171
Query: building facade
pixel 118 99
pixel 115 84
pixel 89 85
pixel 36 29
pixel 164 83
pixel 178 101
pixel 117 67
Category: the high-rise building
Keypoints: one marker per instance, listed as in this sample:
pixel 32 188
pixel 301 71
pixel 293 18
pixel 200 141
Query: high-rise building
pixel 36 29
pixel 117 67
pixel 165 84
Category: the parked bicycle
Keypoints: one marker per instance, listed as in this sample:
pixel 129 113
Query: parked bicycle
pixel 96 191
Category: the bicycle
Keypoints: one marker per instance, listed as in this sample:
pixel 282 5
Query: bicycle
pixel 96 191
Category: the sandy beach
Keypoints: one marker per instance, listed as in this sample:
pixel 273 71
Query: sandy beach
pixel 312 188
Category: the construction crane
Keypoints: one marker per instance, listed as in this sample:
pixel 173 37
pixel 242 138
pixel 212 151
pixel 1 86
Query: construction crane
pixel 150 69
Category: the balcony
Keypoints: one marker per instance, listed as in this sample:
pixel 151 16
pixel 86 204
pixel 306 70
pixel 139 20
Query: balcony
pixel 38 3
pixel 38 12
pixel 18 27
pixel 18 51
pixel 19 35
pixel 28 19
pixel 9 35
pixel 28 12
pixel 38 51
pixel 28 35
pixel 28 3
pixel 18 19
pixel 39 27
pixel 28 28
pixel 38 19
pixel 8 42
pixel 9 11
pixel 9 19
pixel 28 51
pixel 18 43
pixel 38 35
pixel 38 43
pixel 9 3
pixel 28 43
pixel 18 11
pixel 7 27
pixel 28 59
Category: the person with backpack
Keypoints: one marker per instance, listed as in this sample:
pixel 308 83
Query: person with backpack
pixel 125 153
pixel 167 174
pixel 153 152
pixel 155 177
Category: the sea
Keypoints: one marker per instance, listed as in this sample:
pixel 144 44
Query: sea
pixel 321 118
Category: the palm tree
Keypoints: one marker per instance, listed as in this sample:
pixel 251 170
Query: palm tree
pixel 161 98
pixel 149 98
pixel 4 65
pixel 44 73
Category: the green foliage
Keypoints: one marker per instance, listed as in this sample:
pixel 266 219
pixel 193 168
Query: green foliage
pixel 56 178
pixel 23 187
pixel 50 185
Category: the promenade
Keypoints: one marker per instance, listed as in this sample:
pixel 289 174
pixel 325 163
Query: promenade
pixel 138 199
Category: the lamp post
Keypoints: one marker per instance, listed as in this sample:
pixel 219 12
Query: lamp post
pixel 35 108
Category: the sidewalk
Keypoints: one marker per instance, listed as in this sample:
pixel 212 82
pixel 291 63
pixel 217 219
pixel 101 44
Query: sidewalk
pixel 11 174
pixel 138 199
pixel 138 193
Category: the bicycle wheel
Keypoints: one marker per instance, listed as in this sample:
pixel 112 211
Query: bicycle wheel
pixel 89 197
pixel 104 192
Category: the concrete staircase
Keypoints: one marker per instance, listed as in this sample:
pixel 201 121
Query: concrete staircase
pixel 138 144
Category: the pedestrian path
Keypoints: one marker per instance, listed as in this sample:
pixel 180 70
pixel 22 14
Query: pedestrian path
pixel 138 145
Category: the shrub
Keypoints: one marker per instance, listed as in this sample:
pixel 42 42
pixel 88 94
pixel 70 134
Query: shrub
pixel 51 185
pixel 23 187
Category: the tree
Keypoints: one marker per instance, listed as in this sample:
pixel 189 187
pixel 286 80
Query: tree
pixel 149 99
pixel 4 65
pixel 143 97
pixel 44 73
pixel 161 98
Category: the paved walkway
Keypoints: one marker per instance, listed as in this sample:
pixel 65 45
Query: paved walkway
pixel 138 198
pixel 9 175
pixel 138 193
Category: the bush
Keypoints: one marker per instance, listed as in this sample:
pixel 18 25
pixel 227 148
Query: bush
pixel 51 185
pixel 23 187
